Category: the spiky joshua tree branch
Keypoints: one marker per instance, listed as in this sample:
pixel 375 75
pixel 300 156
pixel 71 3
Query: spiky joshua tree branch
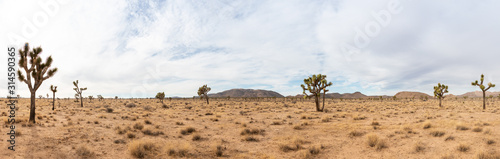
pixel 315 85
pixel 439 92
pixel 483 88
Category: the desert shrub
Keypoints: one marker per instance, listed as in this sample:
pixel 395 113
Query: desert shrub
pixel 375 123
pixel 419 147
pixel 462 127
pixel 148 131
pixel 109 110
pixel 188 131
pixel 84 152
pixel 143 148
pixel 147 122
pixel 437 133
pixel 130 105
pixel 196 137
pixel 372 140
pixel 356 133
pixel 490 141
pixel 219 150
pixel 381 144
pixel 427 125
pixel 178 150
pixel 138 126
pixel 291 145
pixel 253 131
pixel 463 147
pixel 250 138
pixel 449 138
pixel 130 135
pixel 477 129
pixel 485 155
pixel 276 123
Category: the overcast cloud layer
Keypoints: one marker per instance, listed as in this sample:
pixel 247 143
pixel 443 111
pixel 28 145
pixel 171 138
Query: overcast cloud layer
pixel 138 48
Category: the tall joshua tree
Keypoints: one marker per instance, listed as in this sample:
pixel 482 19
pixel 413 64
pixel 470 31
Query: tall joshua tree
pixel 483 88
pixel 79 91
pixel 160 96
pixel 202 92
pixel 315 85
pixel 54 90
pixel 439 92
pixel 36 72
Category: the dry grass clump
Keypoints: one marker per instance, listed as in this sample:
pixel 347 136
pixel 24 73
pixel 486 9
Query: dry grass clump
pixel 179 151
pixel 292 145
pixel 375 123
pixel 462 127
pixel 486 155
pixel 356 133
pixel 138 126
pixel 437 133
pixel 381 144
pixel 490 141
pixel 150 131
pixel 250 138
pixel 188 131
pixel 253 131
pixel 372 139
pixel 427 125
pixel 419 147
pixel 219 150
pixel 143 148
pixel 477 129
pixel 196 137
pixel 130 135
pixel 84 152
pixel 359 117
pixel 463 147
pixel 122 131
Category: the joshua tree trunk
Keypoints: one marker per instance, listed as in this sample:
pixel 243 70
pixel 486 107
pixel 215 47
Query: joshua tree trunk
pixel 53 100
pixel 484 100
pixel 81 100
pixel 316 99
pixel 324 93
pixel 206 96
pixel 440 102
pixel 32 108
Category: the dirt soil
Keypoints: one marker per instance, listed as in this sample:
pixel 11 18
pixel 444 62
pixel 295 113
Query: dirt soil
pixel 270 128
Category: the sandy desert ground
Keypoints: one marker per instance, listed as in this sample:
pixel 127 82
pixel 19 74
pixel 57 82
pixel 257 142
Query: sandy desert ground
pixel 187 128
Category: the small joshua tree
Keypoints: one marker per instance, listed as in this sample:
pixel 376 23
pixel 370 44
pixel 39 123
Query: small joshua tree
pixel 116 97
pixel 202 92
pixel 54 90
pixel 100 97
pixel 90 98
pixel 160 96
pixel 483 88
pixel 79 91
pixel 40 96
pixel 315 85
pixel 439 92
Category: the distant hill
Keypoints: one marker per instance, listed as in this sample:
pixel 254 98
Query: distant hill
pixel 479 94
pixel 338 95
pixel 406 94
pixel 246 93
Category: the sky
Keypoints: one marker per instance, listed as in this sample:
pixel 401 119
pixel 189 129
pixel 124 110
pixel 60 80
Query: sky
pixel 137 48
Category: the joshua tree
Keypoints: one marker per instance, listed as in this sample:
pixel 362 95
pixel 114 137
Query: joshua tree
pixel 100 97
pixel 202 92
pixel 40 96
pixel 79 91
pixel 54 90
pixel 116 97
pixel 483 88
pixel 439 92
pixel 36 71
pixel 315 85
pixel 90 98
pixel 160 96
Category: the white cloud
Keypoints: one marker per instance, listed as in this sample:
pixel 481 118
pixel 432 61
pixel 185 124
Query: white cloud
pixel 138 48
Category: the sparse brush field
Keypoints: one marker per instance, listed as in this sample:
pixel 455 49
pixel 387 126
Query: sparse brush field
pixel 268 128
